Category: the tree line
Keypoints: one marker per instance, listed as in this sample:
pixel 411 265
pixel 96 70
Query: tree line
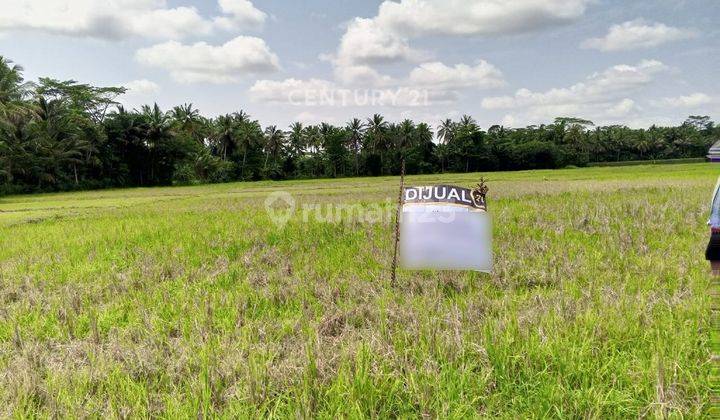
pixel 64 135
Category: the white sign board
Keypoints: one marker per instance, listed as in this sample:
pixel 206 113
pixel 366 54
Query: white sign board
pixel 445 228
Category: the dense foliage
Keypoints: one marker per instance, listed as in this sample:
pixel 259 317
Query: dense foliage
pixel 60 135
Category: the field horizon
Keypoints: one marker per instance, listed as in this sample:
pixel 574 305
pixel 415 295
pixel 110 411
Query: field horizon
pixel 189 301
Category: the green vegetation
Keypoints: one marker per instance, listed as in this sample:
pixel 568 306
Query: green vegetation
pixel 188 301
pixel 64 135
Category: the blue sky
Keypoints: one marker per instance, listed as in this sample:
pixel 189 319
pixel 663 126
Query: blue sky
pixel 511 62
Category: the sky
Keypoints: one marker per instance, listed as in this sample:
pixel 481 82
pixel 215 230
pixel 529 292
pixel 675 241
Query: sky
pixel 514 63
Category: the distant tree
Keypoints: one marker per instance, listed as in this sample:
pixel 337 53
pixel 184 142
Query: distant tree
pixel 273 146
pixel 188 120
pixel 468 123
pixel 699 122
pixel 91 100
pixel 574 121
pixel 224 134
pixel 376 138
pixel 296 140
pixel 356 130
pixel 446 131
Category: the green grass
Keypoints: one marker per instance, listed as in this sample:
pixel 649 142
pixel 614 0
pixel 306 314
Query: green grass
pixel 648 162
pixel 188 301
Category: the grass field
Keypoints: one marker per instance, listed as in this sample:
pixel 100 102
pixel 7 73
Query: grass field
pixel 189 301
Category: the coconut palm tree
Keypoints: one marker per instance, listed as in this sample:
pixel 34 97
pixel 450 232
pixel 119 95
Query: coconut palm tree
pixel 446 131
pixel 158 131
pixel 274 143
pixel 468 123
pixel 159 125
pixel 406 136
pixel 296 140
pixel 376 137
pixel 15 138
pixel 356 130
pixel 13 87
pixel 643 144
pixel 188 120
pixel 423 134
pixel 58 143
pixel 241 117
pixel 446 135
pixel 377 128
pixel 249 136
pixel 15 114
pixel 224 134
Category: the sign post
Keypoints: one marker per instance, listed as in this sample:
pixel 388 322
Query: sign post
pixel 398 215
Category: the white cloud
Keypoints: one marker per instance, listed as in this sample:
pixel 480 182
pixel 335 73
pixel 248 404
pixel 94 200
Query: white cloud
pixel 118 19
pixel 600 95
pixel 636 34
pixel 201 62
pixel 508 121
pixel 361 75
pixel 165 23
pixel 437 74
pixel 385 38
pixel 621 109
pixel 241 14
pixel 367 42
pixel 141 87
pixel 475 17
pixel 687 101
pixel 139 92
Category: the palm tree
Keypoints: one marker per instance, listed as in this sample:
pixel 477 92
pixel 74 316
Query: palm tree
pixel 58 141
pixel 15 113
pixel 249 135
pixel 406 137
pixel 158 130
pixel 296 139
pixel 224 133
pixel 159 125
pixel 468 123
pixel 313 139
pixel 13 88
pixel 15 139
pixel 274 142
pixel 314 142
pixel 657 140
pixel 356 130
pixel 643 144
pixel 446 131
pixel 187 119
pixel 423 134
pixel 241 117
pixel 377 129
pixel 446 134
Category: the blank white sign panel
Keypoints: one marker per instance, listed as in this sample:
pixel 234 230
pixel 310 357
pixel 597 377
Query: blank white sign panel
pixel 441 233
